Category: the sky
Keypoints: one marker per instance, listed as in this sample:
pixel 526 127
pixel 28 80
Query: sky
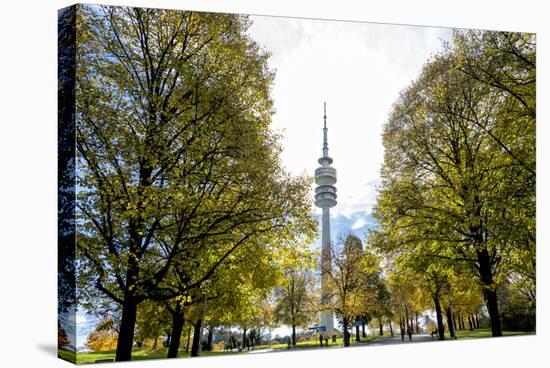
pixel 359 70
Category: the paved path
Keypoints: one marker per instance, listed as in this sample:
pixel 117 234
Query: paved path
pixel 396 340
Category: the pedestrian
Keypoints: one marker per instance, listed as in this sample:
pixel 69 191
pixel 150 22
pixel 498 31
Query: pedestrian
pixel 402 334
pixel 321 339
pixel 333 339
pixel 289 342
pixel 409 332
pixel 326 340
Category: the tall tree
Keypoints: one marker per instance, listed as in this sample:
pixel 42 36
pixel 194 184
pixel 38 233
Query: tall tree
pixel 66 176
pixel 453 178
pixel 176 161
pixel 295 300
pixel 346 281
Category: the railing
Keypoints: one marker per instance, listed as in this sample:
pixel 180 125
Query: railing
pixel 325 195
pixel 325 189
pixel 325 171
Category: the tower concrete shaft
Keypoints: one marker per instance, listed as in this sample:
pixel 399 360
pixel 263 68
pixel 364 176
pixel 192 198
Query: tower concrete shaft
pixel 327 318
pixel 325 198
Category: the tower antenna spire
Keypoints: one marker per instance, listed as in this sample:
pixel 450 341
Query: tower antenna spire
pixel 325 140
pixel 325 114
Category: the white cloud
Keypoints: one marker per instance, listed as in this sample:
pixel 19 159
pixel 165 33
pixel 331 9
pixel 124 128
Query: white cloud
pixel 358 223
pixel 359 70
pixel 81 318
pixel 85 324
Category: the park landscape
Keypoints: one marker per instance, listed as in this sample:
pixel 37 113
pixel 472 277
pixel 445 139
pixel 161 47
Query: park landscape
pixel 183 232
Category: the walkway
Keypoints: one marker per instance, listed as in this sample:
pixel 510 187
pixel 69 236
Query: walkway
pixel 396 340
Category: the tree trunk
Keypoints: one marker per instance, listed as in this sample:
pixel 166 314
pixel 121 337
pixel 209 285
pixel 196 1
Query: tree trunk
pixel 175 334
pixel 196 338
pixel 155 343
pixel 454 319
pixel 126 330
pixel 439 315
pixel 391 329
pixel 381 327
pixel 477 321
pixel 470 324
pixel 492 307
pixel 244 338
pixel 293 335
pixel 450 322
pixel 346 332
pixel 209 340
pixel 129 307
pixel 402 327
pixel 489 292
pixel 406 318
pixel 357 336
pixel 363 329
pixel 188 340
pixel 416 321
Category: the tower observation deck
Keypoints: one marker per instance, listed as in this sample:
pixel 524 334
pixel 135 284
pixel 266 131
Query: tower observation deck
pixel 325 198
pixel 325 175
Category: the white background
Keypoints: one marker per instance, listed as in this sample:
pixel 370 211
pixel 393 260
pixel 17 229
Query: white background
pixel 28 77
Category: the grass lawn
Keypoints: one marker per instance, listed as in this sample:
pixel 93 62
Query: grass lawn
pixel 140 354
pixel 145 353
pixel 315 343
pixel 485 332
pixel 69 356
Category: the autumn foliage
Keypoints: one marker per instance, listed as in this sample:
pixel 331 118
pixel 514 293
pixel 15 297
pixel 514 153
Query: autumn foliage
pixel 104 337
pixel 62 338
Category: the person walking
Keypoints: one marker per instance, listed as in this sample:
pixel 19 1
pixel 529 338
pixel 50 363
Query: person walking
pixel 402 334
pixel 326 340
pixel 409 332
pixel 321 339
